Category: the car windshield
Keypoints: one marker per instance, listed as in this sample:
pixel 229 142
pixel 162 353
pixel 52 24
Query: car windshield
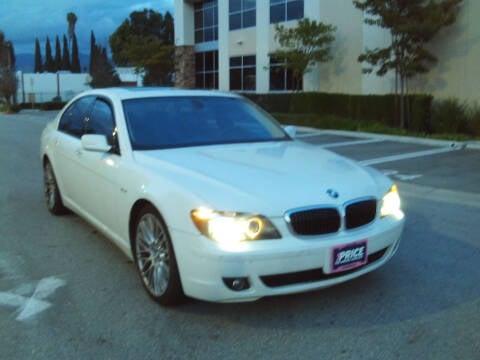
pixel 169 122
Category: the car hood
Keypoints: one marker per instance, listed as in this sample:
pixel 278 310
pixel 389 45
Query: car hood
pixel 268 178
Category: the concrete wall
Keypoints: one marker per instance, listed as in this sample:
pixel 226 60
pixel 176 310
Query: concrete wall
pixel 458 50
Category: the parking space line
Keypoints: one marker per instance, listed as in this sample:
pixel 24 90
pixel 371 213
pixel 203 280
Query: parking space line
pixel 412 155
pixel 354 142
pixel 309 134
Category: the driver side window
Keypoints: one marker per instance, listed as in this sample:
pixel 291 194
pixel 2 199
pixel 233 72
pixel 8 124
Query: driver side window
pixel 73 119
pixel 101 121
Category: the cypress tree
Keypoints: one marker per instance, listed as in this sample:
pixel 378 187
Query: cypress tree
pixel 65 55
pixel 93 53
pixel 75 59
pixel 102 70
pixel 49 65
pixel 58 55
pixel 38 57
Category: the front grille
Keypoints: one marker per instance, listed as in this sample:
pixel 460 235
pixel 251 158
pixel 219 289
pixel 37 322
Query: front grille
pixel 313 275
pixel 315 221
pixel 360 213
pixel 327 220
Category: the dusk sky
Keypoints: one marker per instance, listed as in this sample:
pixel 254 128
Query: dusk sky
pixel 24 20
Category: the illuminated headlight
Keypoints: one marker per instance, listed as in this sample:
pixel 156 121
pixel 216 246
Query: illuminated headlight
pixel 231 227
pixel 391 204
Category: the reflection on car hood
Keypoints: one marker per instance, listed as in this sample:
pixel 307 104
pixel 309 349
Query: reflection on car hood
pixel 262 177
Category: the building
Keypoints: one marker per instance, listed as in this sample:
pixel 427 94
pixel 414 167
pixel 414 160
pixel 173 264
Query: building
pixel 225 44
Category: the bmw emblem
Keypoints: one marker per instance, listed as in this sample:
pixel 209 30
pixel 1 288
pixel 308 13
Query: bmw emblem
pixel 332 193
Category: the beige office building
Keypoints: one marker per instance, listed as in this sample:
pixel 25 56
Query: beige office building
pixel 225 44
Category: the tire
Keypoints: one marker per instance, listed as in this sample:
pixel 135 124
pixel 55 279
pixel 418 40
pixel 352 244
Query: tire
pixel 51 191
pixel 155 258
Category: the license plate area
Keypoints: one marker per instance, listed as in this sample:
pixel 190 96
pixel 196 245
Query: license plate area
pixel 348 256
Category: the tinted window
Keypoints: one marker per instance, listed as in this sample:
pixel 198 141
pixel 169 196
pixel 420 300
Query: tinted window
pixel 156 123
pixel 284 10
pixel 101 120
pixel 242 73
pixel 73 119
pixel 242 13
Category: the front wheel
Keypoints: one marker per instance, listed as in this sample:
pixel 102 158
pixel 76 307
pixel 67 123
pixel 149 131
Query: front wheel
pixel 51 191
pixel 155 258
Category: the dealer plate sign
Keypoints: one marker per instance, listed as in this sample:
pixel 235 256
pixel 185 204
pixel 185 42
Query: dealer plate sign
pixel 349 256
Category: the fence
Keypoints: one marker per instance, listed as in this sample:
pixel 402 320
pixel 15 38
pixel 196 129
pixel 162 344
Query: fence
pixel 40 88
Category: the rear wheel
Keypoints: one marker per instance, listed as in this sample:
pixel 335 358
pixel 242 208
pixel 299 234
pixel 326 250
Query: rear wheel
pixel 51 191
pixel 155 258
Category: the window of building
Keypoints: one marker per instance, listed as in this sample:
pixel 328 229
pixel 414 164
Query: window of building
pixel 206 70
pixel 242 14
pixel 281 78
pixel 242 72
pixel 285 10
pixel 206 21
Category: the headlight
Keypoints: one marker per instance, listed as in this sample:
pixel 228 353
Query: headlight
pixel 231 227
pixel 391 204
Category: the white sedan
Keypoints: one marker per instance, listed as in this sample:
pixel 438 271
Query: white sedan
pixel 212 198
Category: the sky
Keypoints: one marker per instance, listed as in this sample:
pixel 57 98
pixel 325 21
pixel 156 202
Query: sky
pixel 24 20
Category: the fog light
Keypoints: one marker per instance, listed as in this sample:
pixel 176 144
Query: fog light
pixel 237 284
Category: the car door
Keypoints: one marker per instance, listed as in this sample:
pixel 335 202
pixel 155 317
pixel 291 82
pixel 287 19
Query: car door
pixel 99 170
pixel 67 147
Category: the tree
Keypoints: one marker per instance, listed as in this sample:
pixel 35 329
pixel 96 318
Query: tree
pixel 65 55
pixel 38 57
pixel 72 20
pixel 75 59
pixel 102 71
pixel 303 46
pixel 412 24
pixel 49 65
pixel 145 41
pixel 58 55
pixel 93 50
pixel 8 80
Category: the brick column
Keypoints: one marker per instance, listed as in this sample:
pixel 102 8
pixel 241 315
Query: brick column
pixel 185 67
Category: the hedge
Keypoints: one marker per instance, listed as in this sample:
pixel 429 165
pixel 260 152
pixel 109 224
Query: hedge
pixel 359 108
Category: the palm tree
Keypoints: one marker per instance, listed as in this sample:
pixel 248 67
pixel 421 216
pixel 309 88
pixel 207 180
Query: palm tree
pixel 72 20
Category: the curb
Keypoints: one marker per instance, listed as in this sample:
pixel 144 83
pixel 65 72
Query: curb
pixel 405 139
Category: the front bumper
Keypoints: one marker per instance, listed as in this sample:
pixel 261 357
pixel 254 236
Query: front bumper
pixel 275 267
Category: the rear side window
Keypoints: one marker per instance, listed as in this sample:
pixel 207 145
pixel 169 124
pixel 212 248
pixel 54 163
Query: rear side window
pixel 73 119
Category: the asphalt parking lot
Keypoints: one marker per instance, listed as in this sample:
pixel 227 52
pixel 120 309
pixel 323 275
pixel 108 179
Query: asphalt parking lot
pixel 67 292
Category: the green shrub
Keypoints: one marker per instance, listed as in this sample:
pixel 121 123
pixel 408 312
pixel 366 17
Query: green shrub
pixel 358 108
pixel 420 113
pixel 473 122
pixel 449 116
pixel 9 109
pixel 52 105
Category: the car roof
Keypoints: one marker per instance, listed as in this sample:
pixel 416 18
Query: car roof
pixel 145 92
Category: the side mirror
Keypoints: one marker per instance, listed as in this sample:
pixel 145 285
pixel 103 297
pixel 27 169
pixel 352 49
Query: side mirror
pixel 291 130
pixel 95 142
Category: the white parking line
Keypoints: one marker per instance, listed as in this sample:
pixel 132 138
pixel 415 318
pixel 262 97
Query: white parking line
pixel 29 306
pixel 416 154
pixel 309 134
pixel 354 142
pixel 402 177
